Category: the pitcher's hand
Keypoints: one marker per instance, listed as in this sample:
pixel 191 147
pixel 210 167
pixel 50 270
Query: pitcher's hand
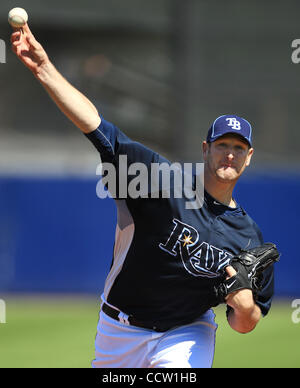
pixel 28 49
pixel 241 299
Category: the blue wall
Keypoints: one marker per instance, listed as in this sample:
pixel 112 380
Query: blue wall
pixel 56 235
pixel 273 202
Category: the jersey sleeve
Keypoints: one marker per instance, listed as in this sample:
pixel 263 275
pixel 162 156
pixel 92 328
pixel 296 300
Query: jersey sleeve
pixel 131 162
pixel 111 143
pixel 265 296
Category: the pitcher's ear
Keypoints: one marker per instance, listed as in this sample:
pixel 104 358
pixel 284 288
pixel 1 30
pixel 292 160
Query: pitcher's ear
pixel 249 156
pixel 205 148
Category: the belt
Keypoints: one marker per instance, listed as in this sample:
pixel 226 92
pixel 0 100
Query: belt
pixel 128 319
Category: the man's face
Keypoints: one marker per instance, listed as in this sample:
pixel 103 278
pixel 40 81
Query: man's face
pixel 227 157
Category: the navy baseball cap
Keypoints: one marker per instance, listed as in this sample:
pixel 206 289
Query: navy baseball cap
pixel 230 124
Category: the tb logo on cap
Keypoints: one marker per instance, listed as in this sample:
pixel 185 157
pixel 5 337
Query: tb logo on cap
pixel 234 123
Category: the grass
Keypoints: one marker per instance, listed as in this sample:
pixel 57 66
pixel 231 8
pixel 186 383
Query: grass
pixel 54 332
pixel 48 332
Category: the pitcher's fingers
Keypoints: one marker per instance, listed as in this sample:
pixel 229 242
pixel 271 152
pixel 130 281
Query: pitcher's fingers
pixel 32 41
pixel 15 45
pixel 27 30
pixel 16 49
pixel 15 36
pixel 30 37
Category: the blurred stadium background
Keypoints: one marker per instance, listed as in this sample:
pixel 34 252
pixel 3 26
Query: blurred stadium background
pixel 162 71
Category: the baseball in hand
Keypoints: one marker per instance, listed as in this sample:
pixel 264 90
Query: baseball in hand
pixel 17 17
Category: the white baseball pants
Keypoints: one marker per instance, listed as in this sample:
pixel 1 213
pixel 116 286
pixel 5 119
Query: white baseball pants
pixel 121 346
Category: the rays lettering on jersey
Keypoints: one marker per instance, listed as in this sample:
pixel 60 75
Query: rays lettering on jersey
pixel 198 258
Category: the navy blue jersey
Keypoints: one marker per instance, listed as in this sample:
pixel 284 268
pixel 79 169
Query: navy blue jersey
pixel 167 259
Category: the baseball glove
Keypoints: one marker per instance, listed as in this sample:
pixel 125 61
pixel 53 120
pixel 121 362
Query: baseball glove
pixel 249 265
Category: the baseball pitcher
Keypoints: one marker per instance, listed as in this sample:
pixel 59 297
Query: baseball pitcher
pixel 171 264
